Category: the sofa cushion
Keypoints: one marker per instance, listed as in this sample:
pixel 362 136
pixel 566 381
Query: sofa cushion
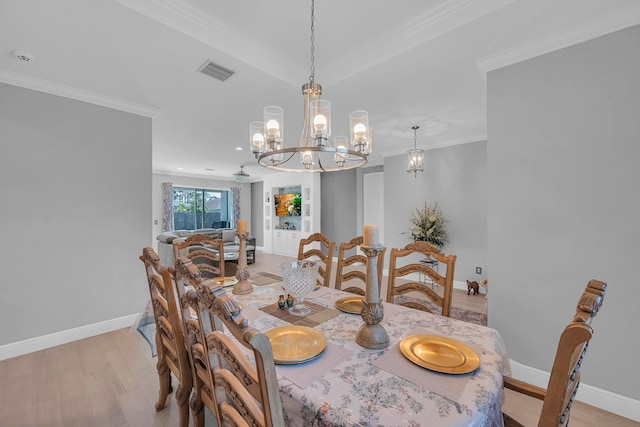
pixel 211 232
pixel 182 233
pixel 229 235
pixel 167 237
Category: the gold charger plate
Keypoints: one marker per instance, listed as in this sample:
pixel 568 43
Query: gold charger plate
pixel 351 304
pixel 295 344
pixel 440 354
pixel 226 281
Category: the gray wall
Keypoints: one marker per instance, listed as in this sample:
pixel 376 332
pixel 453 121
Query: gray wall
pixel 75 183
pixel 455 178
pixel 338 207
pixel 563 202
pixel 257 212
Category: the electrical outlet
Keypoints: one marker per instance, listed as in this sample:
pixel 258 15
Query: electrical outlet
pixel 478 270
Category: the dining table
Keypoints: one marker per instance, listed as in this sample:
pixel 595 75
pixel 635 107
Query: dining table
pixel 349 385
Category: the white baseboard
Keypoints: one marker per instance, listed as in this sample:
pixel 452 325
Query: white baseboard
pixel 612 402
pixel 457 284
pixel 30 345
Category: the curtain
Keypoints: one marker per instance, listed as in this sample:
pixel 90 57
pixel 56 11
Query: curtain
pixel 167 206
pixel 236 204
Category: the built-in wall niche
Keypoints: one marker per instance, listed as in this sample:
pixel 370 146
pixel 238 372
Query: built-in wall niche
pixel 267 224
pixel 287 207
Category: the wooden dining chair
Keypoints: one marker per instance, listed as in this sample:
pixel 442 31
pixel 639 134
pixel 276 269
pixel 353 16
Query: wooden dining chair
pixel 251 392
pixel 350 267
pixel 205 252
pixel 309 250
pixel 172 353
pixel 565 374
pixel 403 262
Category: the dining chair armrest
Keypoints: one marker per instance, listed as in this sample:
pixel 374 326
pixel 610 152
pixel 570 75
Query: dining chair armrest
pixel 524 388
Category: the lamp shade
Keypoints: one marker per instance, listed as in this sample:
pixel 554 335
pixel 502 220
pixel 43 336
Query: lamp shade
pixel 360 131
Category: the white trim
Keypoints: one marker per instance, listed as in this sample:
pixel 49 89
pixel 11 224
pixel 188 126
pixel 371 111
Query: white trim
pixel 457 284
pixel 39 343
pixel 605 24
pixel 189 20
pixel 59 89
pixel 609 401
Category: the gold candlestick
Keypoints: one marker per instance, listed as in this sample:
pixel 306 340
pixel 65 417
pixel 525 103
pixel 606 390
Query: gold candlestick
pixel 372 334
pixel 242 273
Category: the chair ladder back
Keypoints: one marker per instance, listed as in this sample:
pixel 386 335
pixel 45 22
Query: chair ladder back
pixel 205 252
pixel 253 390
pixel 323 255
pixel 190 282
pixel 565 374
pixel 238 407
pixel 170 341
pixel 272 402
pixel 396 257
pixel 343 275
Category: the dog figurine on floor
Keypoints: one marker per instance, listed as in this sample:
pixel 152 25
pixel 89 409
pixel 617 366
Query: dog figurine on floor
pixel 475 286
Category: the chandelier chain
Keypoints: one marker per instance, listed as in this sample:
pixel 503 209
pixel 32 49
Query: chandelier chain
pixel 313 66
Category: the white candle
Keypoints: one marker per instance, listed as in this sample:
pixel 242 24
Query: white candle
pixel 242 226
pixel 370 237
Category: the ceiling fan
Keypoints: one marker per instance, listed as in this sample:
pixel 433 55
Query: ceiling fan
pixel 241 176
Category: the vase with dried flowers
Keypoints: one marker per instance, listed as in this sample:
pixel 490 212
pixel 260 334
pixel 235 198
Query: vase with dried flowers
pixel 428 225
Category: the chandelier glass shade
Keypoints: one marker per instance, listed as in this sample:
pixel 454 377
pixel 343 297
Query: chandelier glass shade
pixel 416 156
pixel 315 151
pixel 241 176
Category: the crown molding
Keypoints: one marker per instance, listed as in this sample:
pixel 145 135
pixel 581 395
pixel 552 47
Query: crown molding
pixel 41 85
pixel 603 25
pixel 423 28
pixel 182 17
pixel 460 141
pixel 434 146
pixel 186 19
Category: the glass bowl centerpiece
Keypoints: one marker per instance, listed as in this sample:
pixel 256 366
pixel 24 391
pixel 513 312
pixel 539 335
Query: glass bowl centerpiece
pixel 299 279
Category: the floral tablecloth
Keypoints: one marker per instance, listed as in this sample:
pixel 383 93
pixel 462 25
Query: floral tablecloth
pixel 353 391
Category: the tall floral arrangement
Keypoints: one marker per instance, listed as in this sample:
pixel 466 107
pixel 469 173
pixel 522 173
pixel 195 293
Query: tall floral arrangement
pixel 428 225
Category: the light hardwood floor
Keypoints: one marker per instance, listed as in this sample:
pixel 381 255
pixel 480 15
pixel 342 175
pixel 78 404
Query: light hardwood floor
pixel 111 380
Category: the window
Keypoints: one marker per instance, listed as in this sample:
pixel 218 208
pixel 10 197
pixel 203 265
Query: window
pixel 195 208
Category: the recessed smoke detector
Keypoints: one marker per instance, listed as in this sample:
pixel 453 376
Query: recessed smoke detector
pixel 23 55
pixel 216 71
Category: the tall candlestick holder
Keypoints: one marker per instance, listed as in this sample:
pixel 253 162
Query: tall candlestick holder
pixel 243 286
pixel 372 334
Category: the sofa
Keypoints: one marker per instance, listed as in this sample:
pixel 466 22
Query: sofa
pixel 227 235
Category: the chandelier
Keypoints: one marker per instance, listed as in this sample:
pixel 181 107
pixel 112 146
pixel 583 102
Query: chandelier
pixel 315 151
pixel 415 156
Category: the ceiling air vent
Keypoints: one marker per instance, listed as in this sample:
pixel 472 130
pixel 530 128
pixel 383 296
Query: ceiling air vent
pixel 216 71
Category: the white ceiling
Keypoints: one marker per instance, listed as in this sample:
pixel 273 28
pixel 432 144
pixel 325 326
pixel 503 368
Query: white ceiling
pixel 408 62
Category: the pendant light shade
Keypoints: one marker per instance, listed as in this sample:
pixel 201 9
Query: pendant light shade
pixel 416 156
